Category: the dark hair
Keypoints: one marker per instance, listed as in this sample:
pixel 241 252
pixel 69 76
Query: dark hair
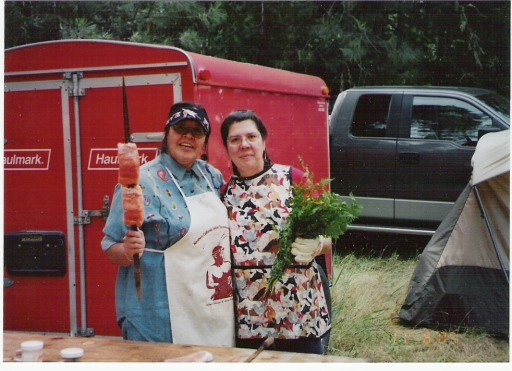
pixel 176 107
pixel 238 116
pixel 241 115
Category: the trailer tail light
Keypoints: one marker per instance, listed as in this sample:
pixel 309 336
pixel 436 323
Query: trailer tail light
pixel 325 90
pixel 205 74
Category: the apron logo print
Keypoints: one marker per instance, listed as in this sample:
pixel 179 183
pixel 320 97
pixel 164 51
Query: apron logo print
pixel 218 275
pixel 162 175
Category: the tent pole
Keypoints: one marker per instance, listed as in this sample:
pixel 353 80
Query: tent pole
pixel 484 214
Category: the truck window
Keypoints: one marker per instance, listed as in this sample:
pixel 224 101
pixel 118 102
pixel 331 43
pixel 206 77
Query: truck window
pixel 451 119
pixel 371 116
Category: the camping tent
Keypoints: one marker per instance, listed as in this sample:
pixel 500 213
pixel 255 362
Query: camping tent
pixel 462 277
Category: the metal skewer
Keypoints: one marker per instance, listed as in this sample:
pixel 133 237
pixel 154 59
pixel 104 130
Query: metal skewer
pixel 127 139
pixel 267 343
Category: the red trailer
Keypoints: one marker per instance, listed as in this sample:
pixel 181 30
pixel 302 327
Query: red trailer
pixel 63 120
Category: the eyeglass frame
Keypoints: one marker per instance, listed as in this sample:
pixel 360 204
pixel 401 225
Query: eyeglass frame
pixel 182 129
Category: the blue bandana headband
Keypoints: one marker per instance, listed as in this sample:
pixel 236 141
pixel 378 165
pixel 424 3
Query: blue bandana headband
pixel 189 113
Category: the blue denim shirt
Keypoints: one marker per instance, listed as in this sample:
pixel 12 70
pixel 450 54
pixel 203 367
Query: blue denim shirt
pixel 167 220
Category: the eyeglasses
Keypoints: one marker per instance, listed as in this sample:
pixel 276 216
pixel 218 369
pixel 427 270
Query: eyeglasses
pixel 196 132
pixel 237 139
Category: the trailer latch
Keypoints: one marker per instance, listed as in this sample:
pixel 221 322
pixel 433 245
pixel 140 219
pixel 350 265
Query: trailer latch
pixel 88 332
pixel 85 218
pixel 76 91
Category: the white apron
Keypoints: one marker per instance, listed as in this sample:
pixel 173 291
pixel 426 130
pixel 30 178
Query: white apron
pixel 198 275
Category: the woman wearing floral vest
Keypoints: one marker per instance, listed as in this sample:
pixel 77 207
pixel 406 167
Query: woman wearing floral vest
pixel 258 199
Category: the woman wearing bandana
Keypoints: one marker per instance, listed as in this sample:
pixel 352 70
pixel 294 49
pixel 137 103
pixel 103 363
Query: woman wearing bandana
pixel 185 233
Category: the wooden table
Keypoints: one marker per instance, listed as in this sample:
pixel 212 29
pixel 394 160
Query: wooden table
pixel 98 349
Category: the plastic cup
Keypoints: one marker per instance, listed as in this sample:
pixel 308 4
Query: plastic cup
pixel 31 350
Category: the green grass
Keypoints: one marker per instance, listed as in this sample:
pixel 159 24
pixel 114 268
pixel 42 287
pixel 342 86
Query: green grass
pixel 367 294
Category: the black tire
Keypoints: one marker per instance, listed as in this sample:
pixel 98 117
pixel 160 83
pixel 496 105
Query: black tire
pixel 327 293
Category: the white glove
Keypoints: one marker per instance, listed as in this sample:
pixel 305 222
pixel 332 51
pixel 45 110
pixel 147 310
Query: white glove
pixel 306 250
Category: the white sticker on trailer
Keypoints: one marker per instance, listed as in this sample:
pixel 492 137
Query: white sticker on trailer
pixel 27 159
pixel 107 159
pixel 322 105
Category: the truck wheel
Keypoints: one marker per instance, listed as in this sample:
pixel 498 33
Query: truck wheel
pixel 327 293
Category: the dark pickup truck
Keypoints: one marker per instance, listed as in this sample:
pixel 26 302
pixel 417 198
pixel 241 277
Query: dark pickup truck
pixel 405 152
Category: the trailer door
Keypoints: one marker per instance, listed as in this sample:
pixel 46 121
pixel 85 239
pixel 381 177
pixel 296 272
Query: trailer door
pixel 37 171
pixel 101 129
pixel 60 161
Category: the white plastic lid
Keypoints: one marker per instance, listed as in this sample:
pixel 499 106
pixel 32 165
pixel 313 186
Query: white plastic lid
pixel 72 353
pixel 32 345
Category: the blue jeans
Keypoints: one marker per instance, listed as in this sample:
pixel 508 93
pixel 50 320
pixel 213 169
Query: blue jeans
pixel 131 332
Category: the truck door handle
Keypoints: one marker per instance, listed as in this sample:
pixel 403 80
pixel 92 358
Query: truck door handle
pixel 409 158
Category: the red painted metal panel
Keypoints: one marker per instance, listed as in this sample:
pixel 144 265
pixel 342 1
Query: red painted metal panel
pixel 76 54
pixel 35 200
pixel 246 76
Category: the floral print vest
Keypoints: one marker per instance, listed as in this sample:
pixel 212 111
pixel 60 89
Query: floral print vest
pixel 256 207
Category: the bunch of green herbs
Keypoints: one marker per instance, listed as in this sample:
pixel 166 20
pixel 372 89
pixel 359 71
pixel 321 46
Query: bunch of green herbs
pixel 315 212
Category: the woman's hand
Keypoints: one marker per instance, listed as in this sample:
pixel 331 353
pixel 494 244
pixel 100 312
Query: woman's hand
pixel 305 249
pixel 121 253
pixel 134 243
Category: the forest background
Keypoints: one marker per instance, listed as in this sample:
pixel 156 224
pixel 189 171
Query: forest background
pixel 346 43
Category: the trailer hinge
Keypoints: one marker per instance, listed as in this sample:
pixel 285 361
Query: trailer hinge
pixel 89 332
pixel 74 77
pixel 85 217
